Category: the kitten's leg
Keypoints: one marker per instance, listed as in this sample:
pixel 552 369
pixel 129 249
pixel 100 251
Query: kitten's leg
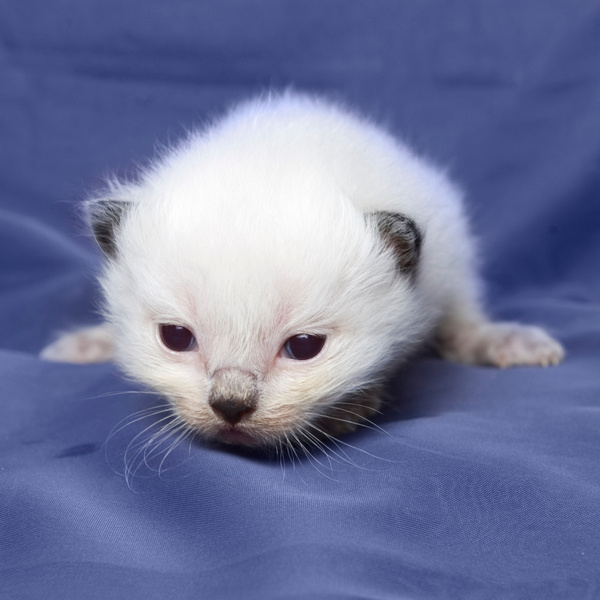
pixel 498 344
pixel 466 335
pixel 88 345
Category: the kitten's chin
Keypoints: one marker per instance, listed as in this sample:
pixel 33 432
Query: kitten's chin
pixel 237 437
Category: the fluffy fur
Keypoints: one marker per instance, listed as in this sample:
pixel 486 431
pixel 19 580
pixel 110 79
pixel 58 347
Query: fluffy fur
pixel 279 220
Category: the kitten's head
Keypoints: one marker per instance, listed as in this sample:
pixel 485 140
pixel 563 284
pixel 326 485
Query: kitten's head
pixel 254 319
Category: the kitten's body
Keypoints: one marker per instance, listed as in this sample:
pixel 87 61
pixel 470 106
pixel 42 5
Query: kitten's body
pixel 288 217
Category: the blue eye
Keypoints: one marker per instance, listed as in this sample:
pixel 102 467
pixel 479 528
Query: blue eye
pixel 303 346
pixel 177 337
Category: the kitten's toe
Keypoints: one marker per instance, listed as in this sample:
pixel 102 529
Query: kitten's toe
pixel 504 345
pixel 511 344
pixel 89 345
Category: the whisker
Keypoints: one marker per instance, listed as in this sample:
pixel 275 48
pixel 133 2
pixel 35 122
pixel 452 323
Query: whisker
pixel 338 441
pixel 133 445
pixel 324 448
pixel 344 457
pixel 142 445
pixel 310 456
pixel 344 403
pixel 186 431
pixel 130 420
pixel 281 458
pixel 311 438
pixel 290 447
pixel 123 393
pixel 364 422
pixel 141 414
pixel 151 449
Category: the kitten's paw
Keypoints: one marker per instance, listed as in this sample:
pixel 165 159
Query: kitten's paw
pixel 89 345
pixel 502 345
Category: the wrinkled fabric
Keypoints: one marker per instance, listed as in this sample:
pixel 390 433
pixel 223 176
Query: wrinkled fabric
pixel 474 482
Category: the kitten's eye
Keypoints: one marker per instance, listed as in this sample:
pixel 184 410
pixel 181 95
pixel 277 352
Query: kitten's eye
pixel 303 346
pixel 177 337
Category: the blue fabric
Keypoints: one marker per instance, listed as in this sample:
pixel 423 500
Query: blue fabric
pixel 481 483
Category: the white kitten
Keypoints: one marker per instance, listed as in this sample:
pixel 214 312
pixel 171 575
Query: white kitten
pixel 266 274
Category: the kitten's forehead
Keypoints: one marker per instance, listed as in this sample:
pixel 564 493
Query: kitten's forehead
pixel 235 297
pixel 236 239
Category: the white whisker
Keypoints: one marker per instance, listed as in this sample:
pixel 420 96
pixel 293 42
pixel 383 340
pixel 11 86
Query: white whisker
pixel 186 431
pixel 152 447
pixel 337 441
pixel 363 422
pixel 344 457
pixel 311 457
pixel 123 393
pixel 358 405
pixel 325 449
pixel 131 462
pixel 140 415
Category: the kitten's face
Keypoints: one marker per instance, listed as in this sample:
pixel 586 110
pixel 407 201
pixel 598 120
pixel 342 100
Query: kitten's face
pixel 257 338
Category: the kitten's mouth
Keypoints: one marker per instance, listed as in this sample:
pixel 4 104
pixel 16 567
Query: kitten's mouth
pixel 237 437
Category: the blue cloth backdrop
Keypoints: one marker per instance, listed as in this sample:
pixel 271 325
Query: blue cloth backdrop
pixel 476 483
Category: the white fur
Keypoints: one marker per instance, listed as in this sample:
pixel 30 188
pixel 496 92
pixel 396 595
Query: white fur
pixel 254 230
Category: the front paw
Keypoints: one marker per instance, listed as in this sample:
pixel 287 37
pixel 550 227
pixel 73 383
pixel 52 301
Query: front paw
pixel 89 345
pixel 502 345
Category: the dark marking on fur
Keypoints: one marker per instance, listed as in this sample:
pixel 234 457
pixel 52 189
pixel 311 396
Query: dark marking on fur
pixel 105 217
pixel 401 234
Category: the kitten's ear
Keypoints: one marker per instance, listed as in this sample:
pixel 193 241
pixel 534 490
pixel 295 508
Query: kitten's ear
pixel 104 217
pixel 402 235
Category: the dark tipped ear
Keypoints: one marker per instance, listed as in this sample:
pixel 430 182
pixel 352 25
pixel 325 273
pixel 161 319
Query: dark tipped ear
pixel 403 236
pixel 105 217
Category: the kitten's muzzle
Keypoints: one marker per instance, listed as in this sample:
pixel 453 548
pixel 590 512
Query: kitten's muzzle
pixel 233 395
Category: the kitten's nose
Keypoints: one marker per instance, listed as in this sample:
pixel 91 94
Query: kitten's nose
pixel 232 410
pixel 233 394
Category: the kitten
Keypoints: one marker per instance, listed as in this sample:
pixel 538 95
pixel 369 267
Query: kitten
pixel 267 274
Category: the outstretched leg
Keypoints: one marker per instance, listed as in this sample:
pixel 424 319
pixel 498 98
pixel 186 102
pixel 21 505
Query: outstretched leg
pixel 499 344
pixel 468 336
